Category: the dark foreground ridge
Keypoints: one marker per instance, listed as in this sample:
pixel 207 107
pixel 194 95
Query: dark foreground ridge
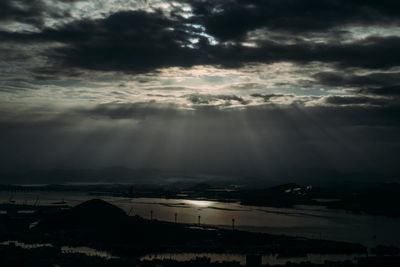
pixel 102 226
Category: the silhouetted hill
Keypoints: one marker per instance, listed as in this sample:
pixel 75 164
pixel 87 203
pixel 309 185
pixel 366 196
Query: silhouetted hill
pixel 95 213
pixel 96 209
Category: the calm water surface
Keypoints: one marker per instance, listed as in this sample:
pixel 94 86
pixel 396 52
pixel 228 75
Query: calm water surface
pixel 308 221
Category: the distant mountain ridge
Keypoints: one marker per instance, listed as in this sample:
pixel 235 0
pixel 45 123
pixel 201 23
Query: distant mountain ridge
pixel 116 174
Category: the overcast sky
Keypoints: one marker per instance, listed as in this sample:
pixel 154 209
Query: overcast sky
pixel 278 89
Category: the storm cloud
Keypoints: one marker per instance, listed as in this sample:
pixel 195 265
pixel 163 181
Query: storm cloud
pixel 234 19
pixel 140 41
pixel 273 88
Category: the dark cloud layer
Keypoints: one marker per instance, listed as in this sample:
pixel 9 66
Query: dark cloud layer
pixel 386 91
pixel 368 80
pixel 150 45
pixel 268 97
pixel 383 84
pixel 133 41
pixel 138 41
pixel 28 12
pixel 231 20
pixel 354 100
pixel 31 13
pixel 207 99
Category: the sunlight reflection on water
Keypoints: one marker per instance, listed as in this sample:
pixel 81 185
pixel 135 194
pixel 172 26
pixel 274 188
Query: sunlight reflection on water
pixel 198 203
